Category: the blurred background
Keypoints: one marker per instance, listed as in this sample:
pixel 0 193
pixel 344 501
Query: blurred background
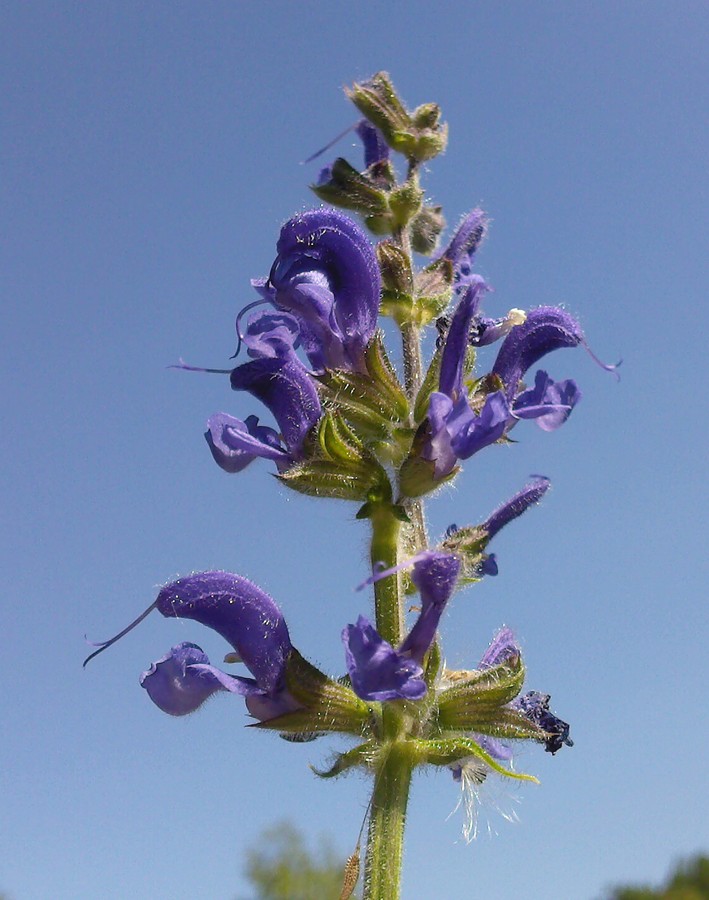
pixel 150 153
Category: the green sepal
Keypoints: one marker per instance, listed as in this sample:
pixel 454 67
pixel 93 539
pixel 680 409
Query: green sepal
pixel 426 229
pixel 351 189
pixel 446 752
pixel 433 665
pixel 478 702
pixel 405 202
pixel 428 386
pixel 374 402
pixel 323 478
pixel 428 115
pixel 498 684
pixel 419 138
pixel 363 756
pixel 417 476
pixel 399 307
pixel 468 544
pixel 382 174
pixel 379 225
pixel 356 397
pixel 432 294
pixel 384 376
pixel 328 705
pixel 336 440
pixel 378 101
pixel 434 289
pixel 395 266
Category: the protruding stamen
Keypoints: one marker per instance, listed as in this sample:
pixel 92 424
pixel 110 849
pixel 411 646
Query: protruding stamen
pixel 181 364
pixel 239 335
pixel 104 645
pixel 331 144
pixel 607 366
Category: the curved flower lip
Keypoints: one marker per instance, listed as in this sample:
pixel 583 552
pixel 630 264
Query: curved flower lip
pixel 378 672
pixel 235 444
pixel 241 613
pixel 326 274
pixel 549 403
pixel 182 680
pixel 284 386
pixel 546 329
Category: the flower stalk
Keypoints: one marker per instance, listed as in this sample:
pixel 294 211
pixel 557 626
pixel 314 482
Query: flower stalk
pixel 385 839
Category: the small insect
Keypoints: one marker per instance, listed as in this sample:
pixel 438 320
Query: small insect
pixel 442 325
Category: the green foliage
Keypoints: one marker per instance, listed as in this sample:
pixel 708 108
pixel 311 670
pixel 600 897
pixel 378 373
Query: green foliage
pixel 282 867
pixel 689 880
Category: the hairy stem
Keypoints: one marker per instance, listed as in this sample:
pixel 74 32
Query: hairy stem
pixel 385 841
pixel 386 530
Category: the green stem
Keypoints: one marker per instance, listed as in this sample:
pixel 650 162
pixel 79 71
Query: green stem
pixel 385 550
pixel 413 364
pixel 385 841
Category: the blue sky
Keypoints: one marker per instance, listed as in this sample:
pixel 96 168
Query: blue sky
pixel 150 153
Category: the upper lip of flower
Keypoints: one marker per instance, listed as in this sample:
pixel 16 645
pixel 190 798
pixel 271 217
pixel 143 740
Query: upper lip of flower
pixel 326 275
pixel 546 328
pixel 243 615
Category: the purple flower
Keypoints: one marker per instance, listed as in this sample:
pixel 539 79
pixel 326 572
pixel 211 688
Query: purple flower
pixel 535 707
pixel 456 430
pixel 514 507
pixel 463 246
pixel 376 148
pixel 548 402
pixel 472 771
pixel 546 329
pixel 247 618
pixel 502 648
pixel 377 670
pixel 435 575
pixel 327 277
pixel 285 387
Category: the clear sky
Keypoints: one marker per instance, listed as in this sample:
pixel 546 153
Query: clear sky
pixel 150 152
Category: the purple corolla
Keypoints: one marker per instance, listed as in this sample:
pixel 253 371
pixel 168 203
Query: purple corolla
pixel 327 277
pixel 456 429
pixel 546 329
pixel 377 670
pixel 376 149
pixel 463 246
pixel 246 617
pixel 284 386
pixel 533 705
